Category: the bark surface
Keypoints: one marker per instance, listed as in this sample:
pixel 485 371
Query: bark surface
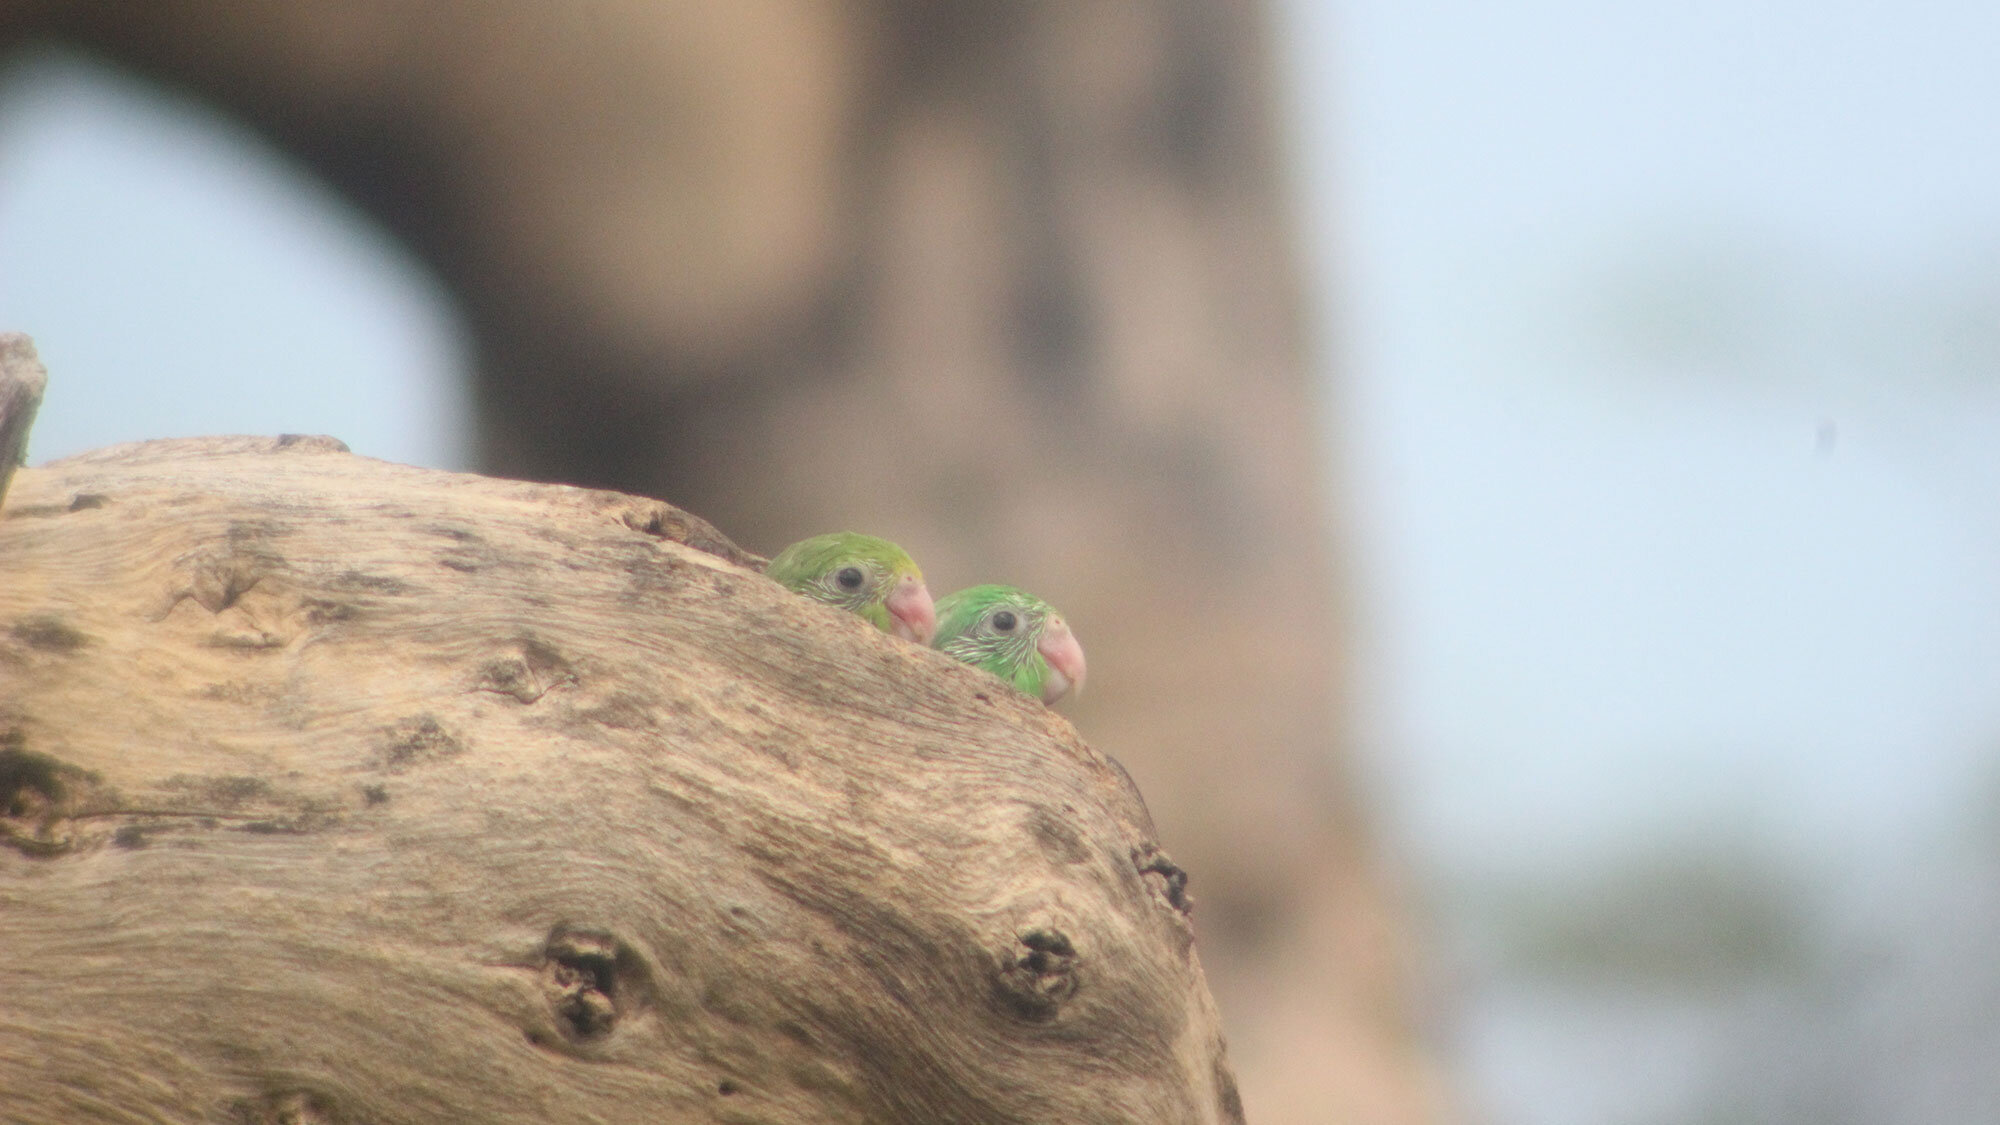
pixel 333 790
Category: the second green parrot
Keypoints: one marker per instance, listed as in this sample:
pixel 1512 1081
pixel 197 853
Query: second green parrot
pixel 1014 635
pixel 872 578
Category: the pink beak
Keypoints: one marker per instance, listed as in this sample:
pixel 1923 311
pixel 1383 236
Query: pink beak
pixel 1058 646
pixel 911 614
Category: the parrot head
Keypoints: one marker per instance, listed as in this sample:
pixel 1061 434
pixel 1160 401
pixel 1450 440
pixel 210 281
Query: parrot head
pixel 1014 635
pixel 869 577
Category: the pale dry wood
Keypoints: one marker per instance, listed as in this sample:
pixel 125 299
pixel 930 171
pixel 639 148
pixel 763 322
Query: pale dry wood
pixel 337 790
pixel 22 381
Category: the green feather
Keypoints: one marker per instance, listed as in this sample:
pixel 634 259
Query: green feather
pixel 996 628
pixel 822 568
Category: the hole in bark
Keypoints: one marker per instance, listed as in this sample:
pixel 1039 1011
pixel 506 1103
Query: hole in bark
pixel 726 1088
pixel 526 674
pixel 1150 860
pixel 588 1012
pixel 24 773
pixel 130 836
pixel 1038 975
pixel 33 799
pixel 668 522
pixel 590 978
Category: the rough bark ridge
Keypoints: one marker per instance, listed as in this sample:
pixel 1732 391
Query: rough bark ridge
pixel 342 791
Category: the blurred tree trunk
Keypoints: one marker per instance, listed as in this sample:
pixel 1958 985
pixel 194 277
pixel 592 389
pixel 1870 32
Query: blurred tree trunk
pixel 1012 284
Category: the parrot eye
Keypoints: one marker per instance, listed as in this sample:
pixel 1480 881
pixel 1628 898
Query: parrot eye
pixel 849 577
pixel 1004 621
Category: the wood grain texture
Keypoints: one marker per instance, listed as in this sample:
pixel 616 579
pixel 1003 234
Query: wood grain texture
pixel 343 791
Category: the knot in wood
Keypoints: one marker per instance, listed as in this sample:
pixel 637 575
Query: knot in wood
pixel 1039 974
pixel 530 671
pixel 1167 875
pixel 34 800
pixel 585 975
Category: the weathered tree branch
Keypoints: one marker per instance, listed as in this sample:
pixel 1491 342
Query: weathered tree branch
pixel 337 790
pixel 22 381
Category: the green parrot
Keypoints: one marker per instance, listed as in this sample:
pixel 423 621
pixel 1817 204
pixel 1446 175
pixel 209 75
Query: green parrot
pixel 1014 635
pixel 863 575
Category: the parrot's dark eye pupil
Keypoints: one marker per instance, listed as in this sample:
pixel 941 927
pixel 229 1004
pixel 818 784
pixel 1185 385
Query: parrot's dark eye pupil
pixel 1004 621
pixel 849 578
